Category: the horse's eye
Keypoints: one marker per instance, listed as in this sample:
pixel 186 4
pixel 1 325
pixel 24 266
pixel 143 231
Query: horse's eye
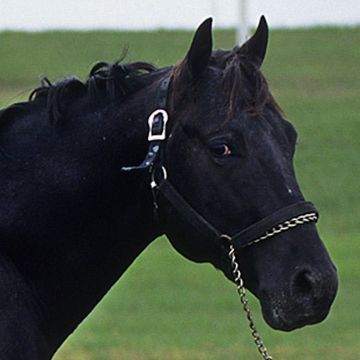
pixel 221 150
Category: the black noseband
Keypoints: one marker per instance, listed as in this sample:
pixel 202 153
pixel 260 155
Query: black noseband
pixel 281 220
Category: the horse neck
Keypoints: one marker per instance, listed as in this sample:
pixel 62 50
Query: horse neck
pixel 80 261
pixel 120 235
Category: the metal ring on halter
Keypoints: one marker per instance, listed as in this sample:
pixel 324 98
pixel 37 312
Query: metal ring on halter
pixel 153 183
pixel 225 237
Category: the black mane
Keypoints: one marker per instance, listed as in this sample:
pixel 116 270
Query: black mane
pixel 105 83
pixel 242 81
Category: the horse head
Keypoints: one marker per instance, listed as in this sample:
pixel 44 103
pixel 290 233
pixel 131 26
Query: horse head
pixel 229 153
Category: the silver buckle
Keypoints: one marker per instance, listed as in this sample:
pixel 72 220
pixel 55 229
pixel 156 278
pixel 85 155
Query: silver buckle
pixel 165 117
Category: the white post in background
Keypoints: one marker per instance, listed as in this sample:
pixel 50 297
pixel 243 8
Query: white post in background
pixel 242 30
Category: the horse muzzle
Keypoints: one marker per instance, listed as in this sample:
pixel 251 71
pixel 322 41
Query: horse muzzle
pixel 306 299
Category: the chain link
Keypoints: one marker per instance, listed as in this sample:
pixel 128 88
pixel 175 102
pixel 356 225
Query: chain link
pixel 289 224
pixel 245 302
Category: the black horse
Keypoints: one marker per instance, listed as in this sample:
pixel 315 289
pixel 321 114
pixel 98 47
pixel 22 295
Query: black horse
pixel 77 209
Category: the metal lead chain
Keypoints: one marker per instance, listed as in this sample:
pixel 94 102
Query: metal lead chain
pixel 287 225
pixel 245 302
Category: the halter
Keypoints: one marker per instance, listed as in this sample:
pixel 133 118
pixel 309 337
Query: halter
pixel 281 220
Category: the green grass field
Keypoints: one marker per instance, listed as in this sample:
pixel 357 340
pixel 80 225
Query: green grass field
pixel 166 307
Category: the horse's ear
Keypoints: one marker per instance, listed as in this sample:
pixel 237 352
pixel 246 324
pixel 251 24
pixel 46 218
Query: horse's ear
pixel 199 53
pixel 255 47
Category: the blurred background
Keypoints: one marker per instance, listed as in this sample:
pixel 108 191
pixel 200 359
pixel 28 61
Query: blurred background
pixel 166 307
pixel 149 15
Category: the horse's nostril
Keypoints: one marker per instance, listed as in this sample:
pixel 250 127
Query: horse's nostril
pixel 304 285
